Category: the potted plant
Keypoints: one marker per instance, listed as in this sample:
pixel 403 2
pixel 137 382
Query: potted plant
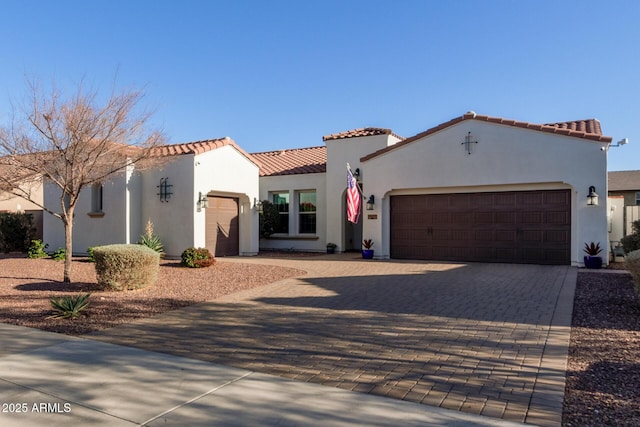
pixel 367 252
pixel 331 248
pixel 592 260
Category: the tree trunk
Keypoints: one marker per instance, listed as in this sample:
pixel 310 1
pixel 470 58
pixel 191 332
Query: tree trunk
pixel 68 245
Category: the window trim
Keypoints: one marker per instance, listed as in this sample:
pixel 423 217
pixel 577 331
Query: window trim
pixel 301 212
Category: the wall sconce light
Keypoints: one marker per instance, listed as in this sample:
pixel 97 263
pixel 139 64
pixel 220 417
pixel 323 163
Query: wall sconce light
pixel 356 173
pixel 257 204
pixel 592 197
pixel 203 202
pixel 371 202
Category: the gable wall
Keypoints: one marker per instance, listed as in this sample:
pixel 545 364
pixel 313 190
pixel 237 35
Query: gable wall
pixel 506 158
pixel 228 173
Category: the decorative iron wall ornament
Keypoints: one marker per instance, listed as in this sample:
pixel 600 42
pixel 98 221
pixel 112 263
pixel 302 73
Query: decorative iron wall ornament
pixel 468 140
pixel 165 190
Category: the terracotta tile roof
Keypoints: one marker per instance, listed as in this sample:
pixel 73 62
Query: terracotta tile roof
pixel 199 147
pixel 591 126
pixel 354 133
pixel 576 129
pixel 292 162
pixel 624 181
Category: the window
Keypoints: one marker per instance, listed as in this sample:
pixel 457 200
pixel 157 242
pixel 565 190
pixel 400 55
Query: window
pixel 96 198
pixel 307 212
pixel 281 201
pixel 638 198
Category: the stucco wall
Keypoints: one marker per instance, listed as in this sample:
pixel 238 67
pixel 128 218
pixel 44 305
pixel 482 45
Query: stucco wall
pixel 14 204
pixel 89 230
pixel 172 217
pixel 339 153
pixel 629 196
pixel 227 172
pixel 506 158
pixel 292 184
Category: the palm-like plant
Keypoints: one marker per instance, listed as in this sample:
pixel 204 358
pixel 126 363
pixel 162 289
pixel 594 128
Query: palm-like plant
pixel 69 307
pixel 592 249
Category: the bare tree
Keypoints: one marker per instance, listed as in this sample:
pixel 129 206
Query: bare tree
pixel 72 142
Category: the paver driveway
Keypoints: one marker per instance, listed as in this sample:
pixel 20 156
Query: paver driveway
pixel 489 339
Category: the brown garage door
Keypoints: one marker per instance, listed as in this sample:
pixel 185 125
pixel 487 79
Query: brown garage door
pixel 518 226
pixel 222 230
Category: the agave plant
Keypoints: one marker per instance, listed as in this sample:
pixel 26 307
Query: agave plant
pixel 70 306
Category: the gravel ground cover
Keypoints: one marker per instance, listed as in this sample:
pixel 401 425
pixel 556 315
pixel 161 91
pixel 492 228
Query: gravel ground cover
pixel 603 373
pixel 26 285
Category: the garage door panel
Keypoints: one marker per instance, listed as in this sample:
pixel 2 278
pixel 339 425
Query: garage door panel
pixel 560 218
pixel 482 235
pixel 523 227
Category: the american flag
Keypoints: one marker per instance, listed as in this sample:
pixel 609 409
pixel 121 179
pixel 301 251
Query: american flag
pixel 353 198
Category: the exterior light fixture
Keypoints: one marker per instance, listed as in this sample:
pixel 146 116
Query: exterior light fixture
pixel 257 204
pixel 356 173
pixel 371 202
pixel 592 197
pixel 203 201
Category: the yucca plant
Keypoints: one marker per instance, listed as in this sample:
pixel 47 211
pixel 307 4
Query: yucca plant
pixel 151 240
pixel 69 306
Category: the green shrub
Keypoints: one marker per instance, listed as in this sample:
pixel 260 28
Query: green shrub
pixel 197 257
pixel 631 242
pixel 269 219
pixel 151 240
pixel 37 249
pixel 92 257
pixel 69 307
pixel 16 231
pixel 632 263
pixel 126 267
pixel 59 254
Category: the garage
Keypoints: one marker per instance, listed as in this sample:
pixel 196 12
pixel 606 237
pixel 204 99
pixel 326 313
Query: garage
pixel 222 226
pixel 529 227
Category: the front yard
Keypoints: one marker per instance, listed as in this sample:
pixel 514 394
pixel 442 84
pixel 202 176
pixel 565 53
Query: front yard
pixel 26 285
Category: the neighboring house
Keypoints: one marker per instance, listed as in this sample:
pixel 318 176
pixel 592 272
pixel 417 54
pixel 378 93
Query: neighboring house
pixel 624 188
pixel 11 203
pixel 216 173
pixel 475 188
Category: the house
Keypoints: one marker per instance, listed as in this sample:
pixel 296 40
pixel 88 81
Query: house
pixel 624 195
pixel 12 203
pixel 476 188
pixel 214 173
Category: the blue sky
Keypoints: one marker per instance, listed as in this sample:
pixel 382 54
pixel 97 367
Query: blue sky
pixel 281 74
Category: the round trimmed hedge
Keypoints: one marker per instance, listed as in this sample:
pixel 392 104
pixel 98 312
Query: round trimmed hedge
pixel 126 267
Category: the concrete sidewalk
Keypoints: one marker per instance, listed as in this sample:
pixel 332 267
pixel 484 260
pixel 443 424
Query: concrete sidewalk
pixel 49 379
